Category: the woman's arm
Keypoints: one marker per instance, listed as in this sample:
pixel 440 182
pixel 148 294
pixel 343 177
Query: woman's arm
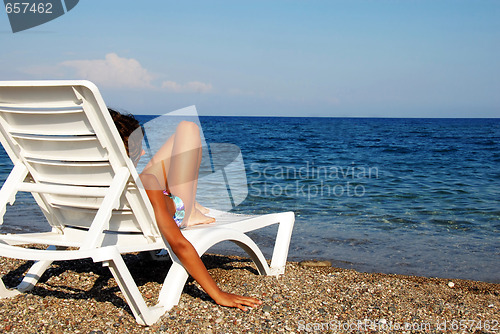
pixel 164 210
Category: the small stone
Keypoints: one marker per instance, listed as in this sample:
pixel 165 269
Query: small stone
pixel 315 263
pixel 451 284
pixel 266 309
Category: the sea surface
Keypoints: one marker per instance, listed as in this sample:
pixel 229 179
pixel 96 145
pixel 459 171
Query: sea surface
pixel 403 196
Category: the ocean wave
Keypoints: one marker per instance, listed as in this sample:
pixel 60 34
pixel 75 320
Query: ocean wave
pixel 400 150
pixel 453 224
pixel 445 150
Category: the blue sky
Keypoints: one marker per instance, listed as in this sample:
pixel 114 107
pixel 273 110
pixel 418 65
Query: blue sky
pixel 351 58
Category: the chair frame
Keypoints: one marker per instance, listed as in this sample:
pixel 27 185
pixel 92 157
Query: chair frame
pixel 103 241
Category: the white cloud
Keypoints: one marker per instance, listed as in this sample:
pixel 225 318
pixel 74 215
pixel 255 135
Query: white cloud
pixel 113 71
pixel 190 87
pixel 117 72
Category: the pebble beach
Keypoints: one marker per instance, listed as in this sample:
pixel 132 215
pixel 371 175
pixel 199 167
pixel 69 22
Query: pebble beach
pixel 82 297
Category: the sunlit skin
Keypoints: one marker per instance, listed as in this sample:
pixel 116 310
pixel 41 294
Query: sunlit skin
pixel 181 156
pixel 178 161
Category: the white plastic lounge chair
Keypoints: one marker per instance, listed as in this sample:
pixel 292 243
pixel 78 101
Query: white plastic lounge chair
pixel 68 154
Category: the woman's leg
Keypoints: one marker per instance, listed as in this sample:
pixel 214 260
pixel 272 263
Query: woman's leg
pixel 184 170
pixel 160 163
pixel 179 159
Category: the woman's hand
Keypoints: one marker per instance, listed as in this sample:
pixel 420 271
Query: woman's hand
pixel 232 300
pixel 183 249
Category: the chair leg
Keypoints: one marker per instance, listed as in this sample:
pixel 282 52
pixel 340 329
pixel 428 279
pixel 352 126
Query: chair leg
pixel 30 278
pixel 33 275
pixel 7 293
pixel 36 271
pixel 255 254
pixel 29 281
pixel 143 314
pixel 282 243
pixel 173 285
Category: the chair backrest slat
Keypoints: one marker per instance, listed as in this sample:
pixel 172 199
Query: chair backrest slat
pixel 75 173
pixel 62 148
pixel 46 121
pixel 63 133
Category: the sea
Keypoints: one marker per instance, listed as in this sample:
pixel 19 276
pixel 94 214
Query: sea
pixel 393 195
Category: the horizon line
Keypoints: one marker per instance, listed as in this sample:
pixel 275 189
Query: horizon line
pixel 360 117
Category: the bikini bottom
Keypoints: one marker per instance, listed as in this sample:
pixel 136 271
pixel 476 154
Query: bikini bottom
pixel 179 208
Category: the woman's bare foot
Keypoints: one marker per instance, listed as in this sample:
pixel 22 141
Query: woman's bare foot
pixel 197 218
pixel 201 208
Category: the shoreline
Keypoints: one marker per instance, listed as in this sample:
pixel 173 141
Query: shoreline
pixel 81 297
pixel 356 266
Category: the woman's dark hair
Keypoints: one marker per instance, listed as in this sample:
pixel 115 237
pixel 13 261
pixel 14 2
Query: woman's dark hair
pixel 126 125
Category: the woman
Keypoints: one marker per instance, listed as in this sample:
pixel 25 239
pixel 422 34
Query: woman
pixel 177 161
